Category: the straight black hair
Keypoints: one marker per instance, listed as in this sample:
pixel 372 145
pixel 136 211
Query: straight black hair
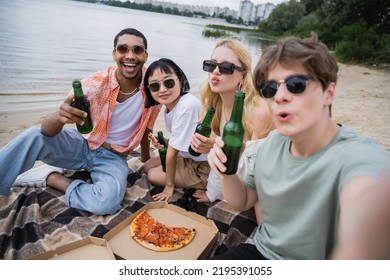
pixel 166 66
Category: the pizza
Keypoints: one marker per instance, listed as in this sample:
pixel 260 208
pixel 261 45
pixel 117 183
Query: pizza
pixel 152 138
pixel 156 236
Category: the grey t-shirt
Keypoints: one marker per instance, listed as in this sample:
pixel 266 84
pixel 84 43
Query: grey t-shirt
pixel 299 197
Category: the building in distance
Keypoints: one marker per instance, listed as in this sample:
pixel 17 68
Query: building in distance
pixel 248 12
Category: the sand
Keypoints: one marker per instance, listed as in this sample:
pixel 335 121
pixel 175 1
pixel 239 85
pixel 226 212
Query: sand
pixel 362 102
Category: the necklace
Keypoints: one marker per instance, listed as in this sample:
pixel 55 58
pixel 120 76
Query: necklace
pixel 129 93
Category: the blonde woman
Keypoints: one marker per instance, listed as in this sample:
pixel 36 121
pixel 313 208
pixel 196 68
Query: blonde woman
pixel 229 69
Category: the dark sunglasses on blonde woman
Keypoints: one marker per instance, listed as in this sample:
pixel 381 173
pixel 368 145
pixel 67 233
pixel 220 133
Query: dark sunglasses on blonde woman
pixel 295 84
pixel 124 49
pixel 224 67
pixel 155 86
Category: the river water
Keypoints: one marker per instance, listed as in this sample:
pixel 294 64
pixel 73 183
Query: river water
pixel 45 44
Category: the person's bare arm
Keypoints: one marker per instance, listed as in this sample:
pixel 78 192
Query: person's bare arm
pixel 364 225
pixel 52 124
pixel 145 145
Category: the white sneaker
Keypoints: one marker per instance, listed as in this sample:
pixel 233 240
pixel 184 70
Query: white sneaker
pixel 36 177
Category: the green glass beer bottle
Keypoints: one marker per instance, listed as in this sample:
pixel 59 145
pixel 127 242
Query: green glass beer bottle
pixel 204 128
pixel 233 135
pixel 82 104
pixel 163 151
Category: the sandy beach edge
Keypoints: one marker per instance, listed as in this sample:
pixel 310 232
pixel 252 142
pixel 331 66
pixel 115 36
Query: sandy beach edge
pixel 362 102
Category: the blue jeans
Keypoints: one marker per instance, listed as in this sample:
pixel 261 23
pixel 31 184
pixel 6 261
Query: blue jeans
pixel 69 150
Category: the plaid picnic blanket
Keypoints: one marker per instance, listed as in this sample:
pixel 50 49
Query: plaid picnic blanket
pixel 35 220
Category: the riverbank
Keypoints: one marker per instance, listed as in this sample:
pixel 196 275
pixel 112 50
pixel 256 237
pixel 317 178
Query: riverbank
pixel 362 102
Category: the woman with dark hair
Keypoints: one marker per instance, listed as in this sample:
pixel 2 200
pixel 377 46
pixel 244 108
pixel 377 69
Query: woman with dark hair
pixel 165 83
pixel 229 69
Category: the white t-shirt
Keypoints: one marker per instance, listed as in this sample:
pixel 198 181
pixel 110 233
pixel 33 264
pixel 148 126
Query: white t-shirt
pixel 181 123
pixel 125 120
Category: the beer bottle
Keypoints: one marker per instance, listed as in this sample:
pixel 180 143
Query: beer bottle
pixel 163 151
pixel 204 128
pixel 233 135
pixel 82 104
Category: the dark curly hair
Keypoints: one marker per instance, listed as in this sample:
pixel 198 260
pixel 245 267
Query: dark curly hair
pixel 131 31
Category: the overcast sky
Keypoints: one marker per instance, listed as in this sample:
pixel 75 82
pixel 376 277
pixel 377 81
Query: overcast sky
pixel 232 4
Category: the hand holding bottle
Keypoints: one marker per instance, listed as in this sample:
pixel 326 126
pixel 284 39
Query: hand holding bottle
pixel 66 114
pixel 217 158
pixel 202 132
pixel 69 114
pixel 233 135
pixel 201 144
pixel 82 103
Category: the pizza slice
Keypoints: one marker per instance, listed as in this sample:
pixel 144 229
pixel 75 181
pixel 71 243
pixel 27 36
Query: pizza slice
pixel 152 138
pixel 156 236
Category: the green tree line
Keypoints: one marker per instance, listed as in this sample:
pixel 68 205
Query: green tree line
pixel 357 30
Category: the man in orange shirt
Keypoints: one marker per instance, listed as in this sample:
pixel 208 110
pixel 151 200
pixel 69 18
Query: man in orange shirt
pixel 121 123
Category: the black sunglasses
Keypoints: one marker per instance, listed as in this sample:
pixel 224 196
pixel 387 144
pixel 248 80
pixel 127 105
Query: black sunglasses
pixel 155 86
pixel 124 49
pixel 224 67
pixel 295 84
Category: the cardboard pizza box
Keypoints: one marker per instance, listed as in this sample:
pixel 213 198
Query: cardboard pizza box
pixel 125 247
pixel 89 248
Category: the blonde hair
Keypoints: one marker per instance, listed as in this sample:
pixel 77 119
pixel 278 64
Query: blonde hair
pixel 252 99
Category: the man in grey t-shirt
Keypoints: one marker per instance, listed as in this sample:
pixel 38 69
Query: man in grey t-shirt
pixel 311 174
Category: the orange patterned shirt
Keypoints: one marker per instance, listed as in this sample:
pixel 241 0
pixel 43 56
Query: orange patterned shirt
pixel 102 89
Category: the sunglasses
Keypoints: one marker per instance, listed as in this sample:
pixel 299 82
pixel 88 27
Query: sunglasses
pixel 224 67
pixel 295 84
pixel 124 49
pixel 155 86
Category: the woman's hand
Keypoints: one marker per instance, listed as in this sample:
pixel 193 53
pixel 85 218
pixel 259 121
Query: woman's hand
pixel 201 144
pixel 165 194
pixel 217 158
